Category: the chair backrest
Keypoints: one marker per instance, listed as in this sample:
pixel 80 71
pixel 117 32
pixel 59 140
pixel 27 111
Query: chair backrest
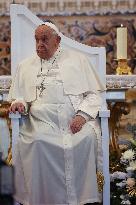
pixel 23 24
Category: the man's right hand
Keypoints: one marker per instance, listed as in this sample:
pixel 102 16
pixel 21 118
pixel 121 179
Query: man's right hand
pixel 18 106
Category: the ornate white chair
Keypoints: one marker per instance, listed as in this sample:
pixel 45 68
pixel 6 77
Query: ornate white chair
pixel 23 24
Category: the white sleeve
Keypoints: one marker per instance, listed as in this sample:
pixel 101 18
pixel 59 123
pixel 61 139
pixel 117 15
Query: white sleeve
pixel 84 115
pixel 90 104
pixel 16 93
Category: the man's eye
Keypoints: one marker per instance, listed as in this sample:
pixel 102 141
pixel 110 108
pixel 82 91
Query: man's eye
pixel 45 39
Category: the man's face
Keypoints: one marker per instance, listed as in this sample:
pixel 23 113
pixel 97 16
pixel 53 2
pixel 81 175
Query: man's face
pixel 46 42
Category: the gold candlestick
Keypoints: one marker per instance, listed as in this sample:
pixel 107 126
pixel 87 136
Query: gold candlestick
pixel 123 68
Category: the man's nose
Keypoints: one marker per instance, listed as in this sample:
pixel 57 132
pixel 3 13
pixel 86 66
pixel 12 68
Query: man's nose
pixel 40 42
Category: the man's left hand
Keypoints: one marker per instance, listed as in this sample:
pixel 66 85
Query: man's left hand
pixel 77 123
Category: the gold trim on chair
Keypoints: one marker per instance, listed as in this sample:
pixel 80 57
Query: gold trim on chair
pixel 4 112
pixel 100 181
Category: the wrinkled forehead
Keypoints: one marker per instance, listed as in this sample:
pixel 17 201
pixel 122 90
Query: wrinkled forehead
pixel 43 30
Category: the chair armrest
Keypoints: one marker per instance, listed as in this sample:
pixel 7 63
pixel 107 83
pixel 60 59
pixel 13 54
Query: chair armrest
pixel 104 113
pixel 16 115
pixel 15 118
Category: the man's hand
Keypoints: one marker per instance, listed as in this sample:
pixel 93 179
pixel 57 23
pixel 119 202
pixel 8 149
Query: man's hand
pixel 77 123
pixel 18 106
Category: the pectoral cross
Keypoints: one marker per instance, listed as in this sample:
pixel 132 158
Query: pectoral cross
pixel 41 88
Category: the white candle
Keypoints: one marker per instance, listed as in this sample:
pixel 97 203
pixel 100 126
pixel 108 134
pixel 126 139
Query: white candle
pixel 122 43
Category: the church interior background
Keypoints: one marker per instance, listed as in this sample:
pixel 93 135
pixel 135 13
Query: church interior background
pixel 91 22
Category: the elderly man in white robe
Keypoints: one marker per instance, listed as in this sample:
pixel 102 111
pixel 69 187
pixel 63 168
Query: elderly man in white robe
pixel 58 153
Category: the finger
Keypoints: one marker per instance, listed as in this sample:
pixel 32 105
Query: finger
pixel 72 128
pixel 21 109
pixel 78 126
pixel 75 128
pixel 75 125
pixel 22 106
pixel 13 108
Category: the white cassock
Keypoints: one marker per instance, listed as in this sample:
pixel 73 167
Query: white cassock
pixel 54 166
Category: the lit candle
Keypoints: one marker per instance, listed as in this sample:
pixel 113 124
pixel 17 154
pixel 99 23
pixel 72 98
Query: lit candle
pixel 122 42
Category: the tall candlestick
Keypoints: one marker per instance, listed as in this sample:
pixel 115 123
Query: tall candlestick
pixel 122 42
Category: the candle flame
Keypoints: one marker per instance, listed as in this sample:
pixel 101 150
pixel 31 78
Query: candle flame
pixel 121 25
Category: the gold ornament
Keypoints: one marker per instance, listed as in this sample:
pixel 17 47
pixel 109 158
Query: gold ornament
pixel 100 181
pixel 123 68
pixel 9 157
pixel 4 112
pixel 132 191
